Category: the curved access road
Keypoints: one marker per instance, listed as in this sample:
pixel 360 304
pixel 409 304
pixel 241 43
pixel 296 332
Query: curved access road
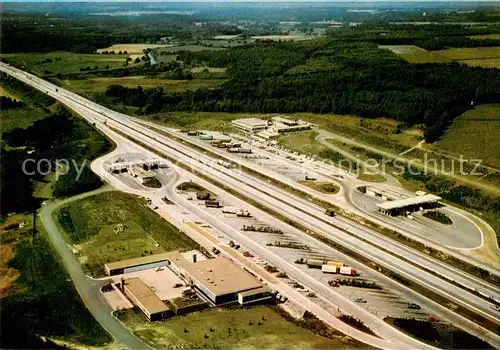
pixel 88 288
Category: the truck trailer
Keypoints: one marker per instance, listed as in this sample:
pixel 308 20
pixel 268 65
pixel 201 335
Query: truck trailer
pixel 348 271
pixel 330 269
pixel 212 204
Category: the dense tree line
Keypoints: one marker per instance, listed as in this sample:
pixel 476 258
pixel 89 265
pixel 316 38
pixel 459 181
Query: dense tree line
pixel 332 76
pixel 429 37
pixel 59 136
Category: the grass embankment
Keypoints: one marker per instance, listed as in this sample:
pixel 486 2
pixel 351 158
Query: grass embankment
pixel 233 328
pixel 441 335
pixel 438 216
pixel 322 186
pixel 114 226
pixel 61 62
pixel 38 297
pixel 190 186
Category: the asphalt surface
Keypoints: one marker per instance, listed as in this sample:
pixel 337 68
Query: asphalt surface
pixel 88 288
pixel 96 113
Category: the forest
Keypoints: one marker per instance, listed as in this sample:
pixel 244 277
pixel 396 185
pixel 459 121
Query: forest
pixel 331 76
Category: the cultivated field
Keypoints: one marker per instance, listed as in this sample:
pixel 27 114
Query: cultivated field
pixel 131 48
pixel 114 226
pixel 488 57
pixel 283 37
pixel 168 85
pixel 226 37
pixel 274 332
pixel 475 134
pixel 209 69
pixel 64 62
pixel 487 36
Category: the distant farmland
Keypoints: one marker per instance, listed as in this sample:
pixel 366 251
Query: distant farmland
pixel 475 135
pixel 488 57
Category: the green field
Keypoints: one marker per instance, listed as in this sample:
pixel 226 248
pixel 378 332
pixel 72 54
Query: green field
pixel 168 85
pixel 321 186
pixel 274 332
pixel 303 142
pixel 488 57
pixel 21 117
pixel 69 62
pixel 475 134
pixel 114 226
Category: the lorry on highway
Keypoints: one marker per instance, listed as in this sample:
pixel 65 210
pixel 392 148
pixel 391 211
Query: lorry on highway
pixel 317 263
pixel 229 210
pixel 224 164
pixel 206 137
pixel 348 271
pixel 243 213
pixel 212 204
pixel 192 133
pixel 330 269
pixel 239 150
pixel 237 211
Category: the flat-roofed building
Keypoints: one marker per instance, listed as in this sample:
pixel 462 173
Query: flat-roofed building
pixel 250 124
pixel 219 280
pixel 282 124
pixel 385 193
pixel 411 204
pixel 143 297
pixel 254 295
pixel 136 264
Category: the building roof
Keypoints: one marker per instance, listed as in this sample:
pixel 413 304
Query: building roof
pixel 263 289
pixel 401 203
pixel 220 276
pixel 115 265
pixel 389 192
pixel 250 121
pixel 148 299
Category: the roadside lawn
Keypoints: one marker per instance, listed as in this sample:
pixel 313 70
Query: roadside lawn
pixel 233 328
pixel 114 226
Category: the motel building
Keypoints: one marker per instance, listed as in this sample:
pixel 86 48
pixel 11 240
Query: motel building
pixel 215 282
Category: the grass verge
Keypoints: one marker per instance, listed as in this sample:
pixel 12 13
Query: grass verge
pixel 114 226
pixel 256 327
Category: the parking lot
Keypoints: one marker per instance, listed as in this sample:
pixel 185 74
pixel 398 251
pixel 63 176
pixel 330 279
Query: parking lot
pixel 294 246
